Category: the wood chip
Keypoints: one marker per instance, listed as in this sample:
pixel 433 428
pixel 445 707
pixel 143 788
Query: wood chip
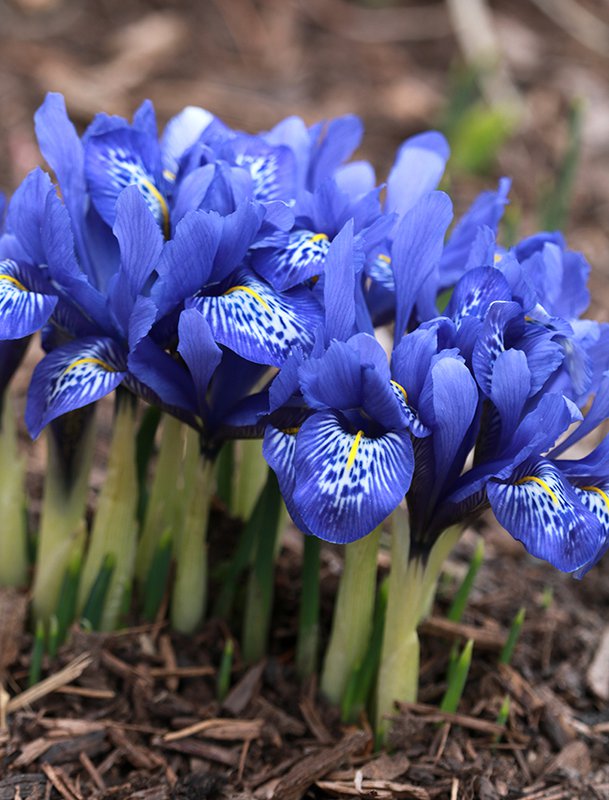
pixel 312 768
pixel 381 790
pixel 484 638
pixel 138 756
pixel 13 607
pixel 243 692
pixel 314 721
pixel 203 750
pixel 51 684
pixel 223 729
pixel 169 658
pixel 181 672
pixel 597 675
pixel 573 758
pixel 92 694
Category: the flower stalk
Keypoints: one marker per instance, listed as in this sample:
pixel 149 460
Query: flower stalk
pixel 308 620
pixel 412 584
pixel 353 614
pixel 62 530
pixel 13 532
pixel 189 596
pixel 114 534
pixel 162 510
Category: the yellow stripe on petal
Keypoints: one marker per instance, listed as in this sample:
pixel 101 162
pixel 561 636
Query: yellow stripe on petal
pixel 353 451
pixel 539 482
pixel 162 203
pixel 598 491
pixel 319 237
pixel 290 431
pixel 386 259
pixel 247 289
pixel 89 360
pixel 14 281
pixel 400 388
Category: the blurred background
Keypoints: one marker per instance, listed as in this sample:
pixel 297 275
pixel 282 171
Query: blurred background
pixel 520 89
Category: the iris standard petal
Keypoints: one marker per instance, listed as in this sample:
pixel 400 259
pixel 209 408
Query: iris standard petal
pixel 199 351
pixel 186 262
pixel 26 300
pixel 257 322
pixel 418 167
pixel 510 388
pixel 540 509
pixel 72 376
pixel 416 251
pixel 139 238
pixel 347 483
pixel 180 133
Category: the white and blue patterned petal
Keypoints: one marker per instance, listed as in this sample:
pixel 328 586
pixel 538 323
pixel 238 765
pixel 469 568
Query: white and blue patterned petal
pixel 114 161
pixel 540 509
pixel 24 308
pixel 257 322
pixel 347 483
pixel 380 270
pixel 279 449
pixel 272 169
pixel 73 376
pixel 413 423
pixel 302 257
pixel 596 500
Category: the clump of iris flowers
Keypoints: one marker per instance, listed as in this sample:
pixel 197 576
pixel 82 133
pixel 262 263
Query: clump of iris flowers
pixel 400 372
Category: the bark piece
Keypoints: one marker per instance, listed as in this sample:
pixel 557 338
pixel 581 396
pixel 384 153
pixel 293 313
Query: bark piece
pixel 312 768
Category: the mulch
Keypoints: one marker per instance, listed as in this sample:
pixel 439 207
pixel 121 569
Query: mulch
pixel 135 714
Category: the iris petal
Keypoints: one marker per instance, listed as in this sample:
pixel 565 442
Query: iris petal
pixel 347 483
pixel 115 160
pixel 279 449
pixel 71 377
pixel 540 509
pixel 257 322
pixel 24 305
pixel 302 257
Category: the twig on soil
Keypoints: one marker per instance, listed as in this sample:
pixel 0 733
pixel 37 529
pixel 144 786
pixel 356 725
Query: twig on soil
pixel 484 639
pixel 61 783
pixel 432 714
pixel 90 767
pixel 51 684
pixel 224 729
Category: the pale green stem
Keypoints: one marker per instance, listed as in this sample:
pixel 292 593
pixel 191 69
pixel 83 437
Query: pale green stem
pixel 162 508
pixel 115 526
pixel 13 533
pixel 62 529
pixel 250 477
pixel 190 588
pixel 353 612
pixel 412 585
